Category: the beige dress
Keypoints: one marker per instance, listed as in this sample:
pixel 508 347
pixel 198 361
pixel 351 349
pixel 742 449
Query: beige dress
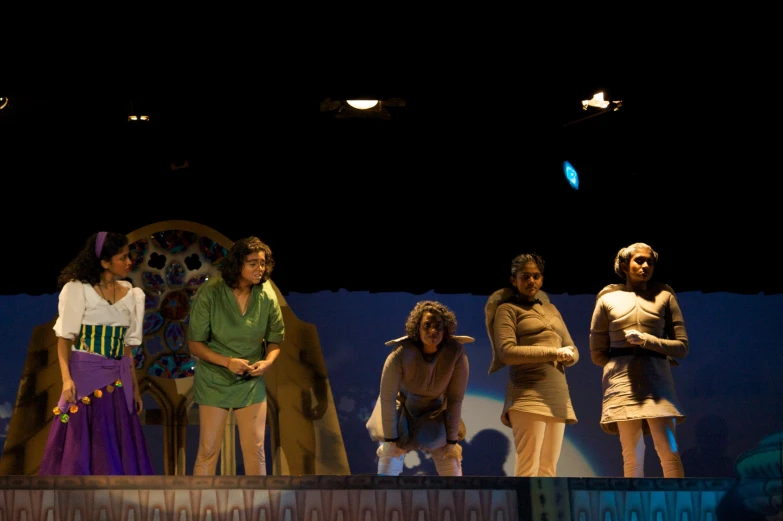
pixel 637 380
pixel 526 338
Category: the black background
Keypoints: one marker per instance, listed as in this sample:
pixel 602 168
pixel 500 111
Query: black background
pixel 439 197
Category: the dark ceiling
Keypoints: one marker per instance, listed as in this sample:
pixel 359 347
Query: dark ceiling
pixel 440 196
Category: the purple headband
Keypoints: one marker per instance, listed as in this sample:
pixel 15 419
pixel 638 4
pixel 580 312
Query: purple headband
pixel 99 243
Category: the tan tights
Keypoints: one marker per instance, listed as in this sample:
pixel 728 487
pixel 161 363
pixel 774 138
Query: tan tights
pixel 447 459
pixel 632 443
pixel 251 422
pixel 538 440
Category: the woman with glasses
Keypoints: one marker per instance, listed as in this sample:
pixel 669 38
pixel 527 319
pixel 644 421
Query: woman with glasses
pixel 528 334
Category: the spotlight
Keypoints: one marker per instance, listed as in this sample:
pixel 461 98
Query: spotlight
pixel 599 101
pixel 135 116
pixel 368 108
pixel 362 104
pixel 596 101
pixel 571 175
pixel 3 102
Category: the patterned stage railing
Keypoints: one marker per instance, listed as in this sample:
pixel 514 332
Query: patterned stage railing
pixel 358 498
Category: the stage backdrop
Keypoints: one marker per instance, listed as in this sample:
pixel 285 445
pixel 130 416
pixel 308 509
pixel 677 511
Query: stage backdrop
pixel 730 384
pixel 326 381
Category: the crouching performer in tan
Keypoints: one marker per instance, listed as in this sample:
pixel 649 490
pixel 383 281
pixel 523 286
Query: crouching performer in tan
pixel 423 384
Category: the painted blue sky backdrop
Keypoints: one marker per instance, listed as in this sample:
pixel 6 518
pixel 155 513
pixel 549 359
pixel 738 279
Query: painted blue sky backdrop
pixel 730 384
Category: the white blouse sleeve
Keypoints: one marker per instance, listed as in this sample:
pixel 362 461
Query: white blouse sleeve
pixel 70 308
pixel 136 328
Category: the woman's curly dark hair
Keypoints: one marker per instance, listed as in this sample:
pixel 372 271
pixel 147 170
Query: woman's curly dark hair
pixel 231 267
pixel 86 266
pixel 437 309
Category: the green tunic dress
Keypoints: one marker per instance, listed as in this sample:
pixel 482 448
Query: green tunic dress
pixel 215 319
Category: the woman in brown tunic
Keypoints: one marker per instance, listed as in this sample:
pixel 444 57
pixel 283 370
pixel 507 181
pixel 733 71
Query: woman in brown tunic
pixel 636 332
pixel 528 334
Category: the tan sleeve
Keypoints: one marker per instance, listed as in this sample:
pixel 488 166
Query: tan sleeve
pixel 568 341
pixel 676 343
pixel 455 392
pixel 506 337
pixel 391 379
pixel 599 334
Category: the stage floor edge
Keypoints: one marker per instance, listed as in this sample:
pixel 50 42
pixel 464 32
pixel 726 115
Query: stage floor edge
pixel 359 498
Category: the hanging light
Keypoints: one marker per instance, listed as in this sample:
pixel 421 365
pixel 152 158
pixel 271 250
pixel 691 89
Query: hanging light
pixel 135 117
pixel 599 102
pixel 596 101
pixel 362 104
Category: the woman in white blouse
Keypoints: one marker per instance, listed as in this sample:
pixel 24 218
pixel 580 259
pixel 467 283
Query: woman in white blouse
pixel 96 428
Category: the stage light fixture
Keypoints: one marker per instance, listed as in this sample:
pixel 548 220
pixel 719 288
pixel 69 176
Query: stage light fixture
pixel 178 164
pixel 3 102
pixel 571 175
pixel 369 108
pixel 598 102
pixel 362 104
pixel 601 103
pixel 135 117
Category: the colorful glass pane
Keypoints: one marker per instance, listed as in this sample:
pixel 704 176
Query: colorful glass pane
pixel 175 336
pixel 152 322
pixel 175 305
pixel 175 274
pixel 153 281
pixel 151 301
pixel 172 366
pixel 174 241
pixel 214 252
pixel 136 252
pixel 198 280
pixel 139 357
pixel 154 345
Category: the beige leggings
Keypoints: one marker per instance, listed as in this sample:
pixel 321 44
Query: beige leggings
pixel 251 422
pixel 632 443
pixel 538 440
pixel 447 459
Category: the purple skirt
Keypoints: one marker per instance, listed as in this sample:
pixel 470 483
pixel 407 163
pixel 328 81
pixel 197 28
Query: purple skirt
pixel 104 436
